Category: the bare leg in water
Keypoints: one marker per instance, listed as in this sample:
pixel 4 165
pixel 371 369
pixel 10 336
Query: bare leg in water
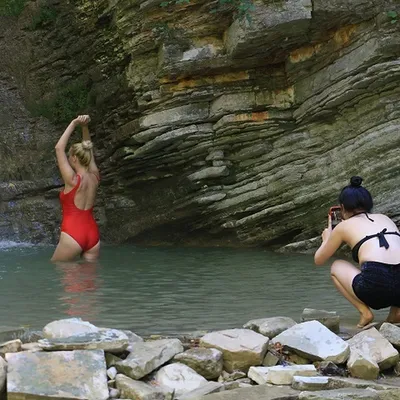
pixel 343 273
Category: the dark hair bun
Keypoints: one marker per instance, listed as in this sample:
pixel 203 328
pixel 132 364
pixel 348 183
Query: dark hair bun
pixel 356 181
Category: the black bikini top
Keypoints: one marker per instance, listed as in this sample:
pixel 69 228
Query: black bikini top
pixel 380 235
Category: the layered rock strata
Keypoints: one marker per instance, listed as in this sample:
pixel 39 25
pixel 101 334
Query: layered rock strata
pixel 211 130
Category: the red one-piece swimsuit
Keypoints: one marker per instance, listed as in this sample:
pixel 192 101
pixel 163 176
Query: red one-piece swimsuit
pixel 77 223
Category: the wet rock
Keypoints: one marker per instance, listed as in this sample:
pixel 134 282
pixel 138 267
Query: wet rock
pixel 208 388
pixel 376 347
pixel 310 383
pixel 271 358
pixel 65 328
pixel 111 340
pixel 362 366
pixel 75 375
pixel 13 346
pixel 132 389
pixel 206 362
pixel 280 375
pixel 270 327
pixel 148 356
pixel 179 378
pixel 314 341
pixel 328 318
pixel 391 333
pixel 241 348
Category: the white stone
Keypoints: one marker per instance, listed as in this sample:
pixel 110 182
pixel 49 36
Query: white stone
pixel 270 327
pixel 376 347
pixel 112 373
pixel 314 341
pixel 241 348
pixel 65 328
pixel 179 378
pixel 280 375
pixel 12 346
pixel 310 382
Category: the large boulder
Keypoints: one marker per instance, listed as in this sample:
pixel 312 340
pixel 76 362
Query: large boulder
pixel 206 362
pixel 241 348
pixel 376 347
pixel 314 341
pixel 148 356
pixel 73 375
pixel 179 378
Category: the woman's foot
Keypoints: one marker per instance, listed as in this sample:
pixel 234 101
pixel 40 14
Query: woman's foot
pixel 394 315
pixel 366 318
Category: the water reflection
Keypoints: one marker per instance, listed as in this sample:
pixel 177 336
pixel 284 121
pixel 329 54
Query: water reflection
pixel 80 281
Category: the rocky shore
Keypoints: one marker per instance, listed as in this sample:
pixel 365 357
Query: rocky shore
pixel 271 358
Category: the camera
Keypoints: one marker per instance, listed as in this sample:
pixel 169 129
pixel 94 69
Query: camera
pixel 336 215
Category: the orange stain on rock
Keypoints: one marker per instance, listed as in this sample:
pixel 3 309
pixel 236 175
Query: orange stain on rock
pixel 184 84
pixel 304 53
pixel 256 116
pixel 343 35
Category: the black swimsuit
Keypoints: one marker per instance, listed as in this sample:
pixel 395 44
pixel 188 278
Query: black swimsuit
pixel 378 284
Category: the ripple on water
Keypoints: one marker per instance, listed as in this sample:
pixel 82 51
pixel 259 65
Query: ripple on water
pixel 162 290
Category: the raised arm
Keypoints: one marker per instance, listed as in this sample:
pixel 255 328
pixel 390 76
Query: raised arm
pixel 64 166
pixel 86 136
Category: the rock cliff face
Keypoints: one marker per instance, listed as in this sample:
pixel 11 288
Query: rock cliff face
pixel 209 131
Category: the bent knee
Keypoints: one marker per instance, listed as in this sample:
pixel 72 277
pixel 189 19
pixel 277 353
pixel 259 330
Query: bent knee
pixel 337 266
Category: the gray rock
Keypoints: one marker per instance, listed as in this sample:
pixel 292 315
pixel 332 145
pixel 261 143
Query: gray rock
pixel 208 388
pixel 341 394
pixel 75 375
pixel 179 379
pixel 148 356
pixel 229 377
pixel 241 348
pixel 314 341
pixel 374 346
pixel 271 359
pixel 32 347
pixel 270 327
pixel 206 362
pixel 310 383
pixel 111 340
pixel 112 373
pixel 114 393
pixel 264 392
pixel 3 374
pixel 391 333
pixel 328 318
pixel 209 173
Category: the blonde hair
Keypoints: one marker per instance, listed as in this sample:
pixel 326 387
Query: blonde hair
pixel 82 151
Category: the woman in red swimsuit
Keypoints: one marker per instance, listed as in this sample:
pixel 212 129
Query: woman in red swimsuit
pixel 79 230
